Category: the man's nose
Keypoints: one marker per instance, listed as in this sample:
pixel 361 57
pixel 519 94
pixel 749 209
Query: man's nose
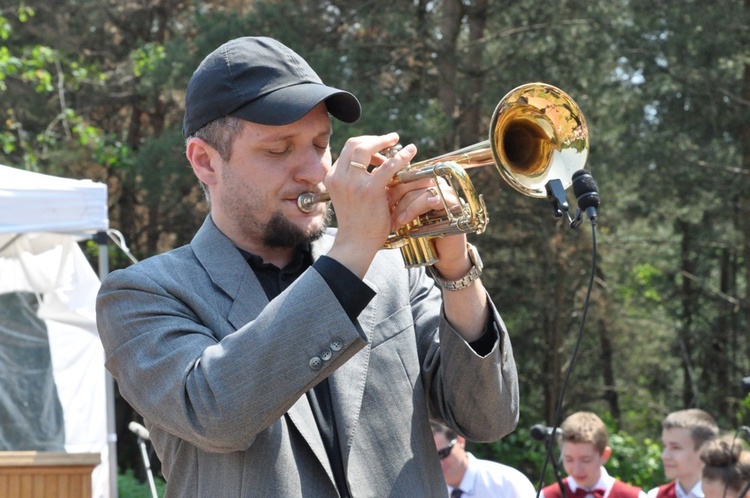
pixel 313 166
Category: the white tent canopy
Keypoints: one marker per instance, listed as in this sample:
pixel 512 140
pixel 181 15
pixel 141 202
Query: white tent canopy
pixel 48 291
pixel 33 202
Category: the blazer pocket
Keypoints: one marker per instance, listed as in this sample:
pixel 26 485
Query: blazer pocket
pixel 391 326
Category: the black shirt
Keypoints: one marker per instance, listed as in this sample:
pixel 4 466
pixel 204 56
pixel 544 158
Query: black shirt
pixel 353 295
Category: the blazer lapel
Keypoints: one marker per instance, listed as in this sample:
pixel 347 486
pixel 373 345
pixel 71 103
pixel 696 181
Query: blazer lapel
pixel 301 416
pixel 229 270
pixel 348 383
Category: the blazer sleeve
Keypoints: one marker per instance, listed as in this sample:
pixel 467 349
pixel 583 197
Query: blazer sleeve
pixel 181 363
pixel 475 395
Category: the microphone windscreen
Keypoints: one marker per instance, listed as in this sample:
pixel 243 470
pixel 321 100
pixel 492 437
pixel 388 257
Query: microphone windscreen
pixel 585 189
pixel 538 432
pixel 583 183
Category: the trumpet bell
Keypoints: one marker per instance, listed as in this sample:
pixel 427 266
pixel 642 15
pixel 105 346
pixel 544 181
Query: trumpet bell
pixel 537 134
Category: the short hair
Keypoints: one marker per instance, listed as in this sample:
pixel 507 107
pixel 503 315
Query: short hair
pixel 585 427
pixel 219 134
pixel 727 461
pixel 438 428
pixel 701 424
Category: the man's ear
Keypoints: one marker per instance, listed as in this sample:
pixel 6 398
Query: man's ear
pixel 606 454
pixel 204 159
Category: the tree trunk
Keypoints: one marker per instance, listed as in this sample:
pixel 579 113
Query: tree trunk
pixel 471 118
pixel 690 393
pixel 450 27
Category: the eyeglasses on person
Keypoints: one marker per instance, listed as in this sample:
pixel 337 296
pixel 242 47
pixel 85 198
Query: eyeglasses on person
pixel 444 452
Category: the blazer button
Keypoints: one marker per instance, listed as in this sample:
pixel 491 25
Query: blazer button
pixel 326 354
pixel 337 344
pixel 316 363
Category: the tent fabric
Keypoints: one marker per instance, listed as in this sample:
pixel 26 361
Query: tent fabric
pixel 33 202
pixel 30 408
pixel 46 279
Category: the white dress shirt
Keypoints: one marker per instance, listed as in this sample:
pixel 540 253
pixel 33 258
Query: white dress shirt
pixel 487 479
pixel 696 492
pixel 605 482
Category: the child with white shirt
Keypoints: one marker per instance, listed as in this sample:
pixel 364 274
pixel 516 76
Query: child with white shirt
pixel 683 434
pixel 585 451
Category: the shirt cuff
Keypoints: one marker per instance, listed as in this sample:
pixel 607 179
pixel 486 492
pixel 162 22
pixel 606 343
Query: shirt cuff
pixel 483 346
pixel 350 291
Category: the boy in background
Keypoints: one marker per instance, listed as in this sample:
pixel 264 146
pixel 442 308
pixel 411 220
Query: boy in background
pixel 683 435
pixel 585 451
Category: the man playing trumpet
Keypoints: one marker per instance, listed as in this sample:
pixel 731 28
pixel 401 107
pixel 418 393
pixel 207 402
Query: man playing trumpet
pixel 274 356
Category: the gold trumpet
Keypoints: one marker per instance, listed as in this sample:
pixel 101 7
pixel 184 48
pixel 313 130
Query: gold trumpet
pixel 537 135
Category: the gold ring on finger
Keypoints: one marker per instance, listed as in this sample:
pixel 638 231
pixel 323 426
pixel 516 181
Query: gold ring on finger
pixel 357 165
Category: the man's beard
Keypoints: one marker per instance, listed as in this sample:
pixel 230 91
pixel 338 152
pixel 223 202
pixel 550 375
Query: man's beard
pixel 279 232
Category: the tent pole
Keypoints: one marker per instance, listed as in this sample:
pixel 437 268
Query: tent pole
pixel 101 239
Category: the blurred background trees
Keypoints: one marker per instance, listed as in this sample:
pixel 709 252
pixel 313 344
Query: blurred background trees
pixel 94 89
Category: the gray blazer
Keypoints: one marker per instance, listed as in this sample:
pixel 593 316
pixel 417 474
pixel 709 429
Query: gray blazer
pixel 219 374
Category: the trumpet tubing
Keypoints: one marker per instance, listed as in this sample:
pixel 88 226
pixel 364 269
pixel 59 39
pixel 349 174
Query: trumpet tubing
pixel 537 134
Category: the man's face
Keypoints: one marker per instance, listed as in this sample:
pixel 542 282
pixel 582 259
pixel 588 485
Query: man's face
pixel 269 167
pixel 583 462
pixel 680 457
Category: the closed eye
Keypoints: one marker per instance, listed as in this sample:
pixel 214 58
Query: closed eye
pixel 278 152
pixel 322 145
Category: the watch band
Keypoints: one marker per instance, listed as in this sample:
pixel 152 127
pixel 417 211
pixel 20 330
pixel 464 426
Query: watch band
pixel 466 280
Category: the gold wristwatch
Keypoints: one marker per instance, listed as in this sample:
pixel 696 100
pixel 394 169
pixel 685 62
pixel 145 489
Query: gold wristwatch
pixel 467 280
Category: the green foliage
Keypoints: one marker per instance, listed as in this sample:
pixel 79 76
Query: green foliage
pixel 146 58
pixel 128 486
pixel 743 412
pixel 31 66
pixel 41 69
pixel 635 461
pixel 645 276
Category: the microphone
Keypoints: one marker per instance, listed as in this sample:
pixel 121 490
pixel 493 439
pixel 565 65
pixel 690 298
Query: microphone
pixel 541 432
pixel 587 192
pixel 139 430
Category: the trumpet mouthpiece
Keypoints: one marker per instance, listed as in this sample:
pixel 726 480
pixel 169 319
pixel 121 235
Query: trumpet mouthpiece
pixel 307 200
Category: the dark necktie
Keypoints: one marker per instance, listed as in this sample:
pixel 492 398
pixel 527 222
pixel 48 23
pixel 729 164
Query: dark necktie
pixel 583 493
pixel 456 493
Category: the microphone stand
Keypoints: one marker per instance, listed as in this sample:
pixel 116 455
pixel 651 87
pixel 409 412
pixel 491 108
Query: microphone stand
pixel 555 467
pixel 142 436
pixel 147 465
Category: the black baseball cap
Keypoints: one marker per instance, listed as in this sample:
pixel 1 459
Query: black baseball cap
pixel 260 80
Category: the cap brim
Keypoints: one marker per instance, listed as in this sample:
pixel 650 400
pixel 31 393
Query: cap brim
pixel 289 104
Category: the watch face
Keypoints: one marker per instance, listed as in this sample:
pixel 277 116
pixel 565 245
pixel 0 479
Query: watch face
pixel 474 256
